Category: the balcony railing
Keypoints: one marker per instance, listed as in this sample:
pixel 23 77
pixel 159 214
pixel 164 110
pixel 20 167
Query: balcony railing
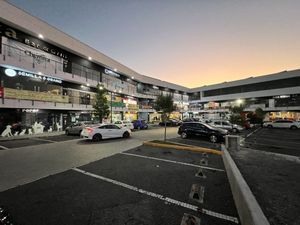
pixel 34 61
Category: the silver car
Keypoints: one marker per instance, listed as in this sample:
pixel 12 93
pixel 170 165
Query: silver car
pixel 76 128
pixel 224 124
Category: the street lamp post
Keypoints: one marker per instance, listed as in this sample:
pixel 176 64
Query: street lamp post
pixel 111 107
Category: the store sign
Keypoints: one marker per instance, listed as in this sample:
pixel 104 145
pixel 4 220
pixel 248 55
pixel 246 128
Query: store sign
pixel 12 73
pixel 30 110
pixel 19 36
pixel 33 95
pixel 109 72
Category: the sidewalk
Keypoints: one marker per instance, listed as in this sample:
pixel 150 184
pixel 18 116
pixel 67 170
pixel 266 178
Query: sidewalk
pixel 26 136
pixel 274 181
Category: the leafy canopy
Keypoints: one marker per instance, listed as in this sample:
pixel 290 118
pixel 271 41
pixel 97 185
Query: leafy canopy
pixel 101 107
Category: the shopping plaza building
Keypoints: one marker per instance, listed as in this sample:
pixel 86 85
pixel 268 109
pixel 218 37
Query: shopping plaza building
pixel 50 77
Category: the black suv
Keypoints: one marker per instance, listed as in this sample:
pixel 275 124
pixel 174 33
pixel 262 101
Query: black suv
pixel 202 130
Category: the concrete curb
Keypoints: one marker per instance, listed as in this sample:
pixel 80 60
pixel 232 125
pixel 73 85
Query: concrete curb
pixel 248 208
pixel 182 147
pixel 45 134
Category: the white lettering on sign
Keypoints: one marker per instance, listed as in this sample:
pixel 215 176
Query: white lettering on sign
pixel 109 72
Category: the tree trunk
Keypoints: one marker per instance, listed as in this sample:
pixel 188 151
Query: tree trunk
pixel 165 136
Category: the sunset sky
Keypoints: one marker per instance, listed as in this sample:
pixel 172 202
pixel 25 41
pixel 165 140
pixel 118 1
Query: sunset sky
pixel 188 42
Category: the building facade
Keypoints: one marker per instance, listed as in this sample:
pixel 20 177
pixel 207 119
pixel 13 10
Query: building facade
pixel 277 94
pixel 49 77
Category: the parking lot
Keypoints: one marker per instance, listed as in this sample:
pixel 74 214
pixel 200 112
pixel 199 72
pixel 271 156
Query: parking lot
pixel 283 141
pixel 17 143
pixel 145 185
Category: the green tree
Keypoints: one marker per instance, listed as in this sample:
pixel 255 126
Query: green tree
pixel 165 105
pixel 101 107
pixel 237 115
pixel 260 115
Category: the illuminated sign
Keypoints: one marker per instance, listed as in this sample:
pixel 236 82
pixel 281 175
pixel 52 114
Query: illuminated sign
pixel 109 72
pixel 10 72
pixel 13 73
pixel 30 110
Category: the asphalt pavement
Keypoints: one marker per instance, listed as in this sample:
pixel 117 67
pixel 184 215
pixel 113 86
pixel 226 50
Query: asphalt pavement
pixel 26 164
pixel 283 141
pixel 145 185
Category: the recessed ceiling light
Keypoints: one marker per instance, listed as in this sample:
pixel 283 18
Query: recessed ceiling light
pixel 39 73
pixel 88 85
pixel 90 58
pixel 115 70
pixel 41 36
pixel 132 77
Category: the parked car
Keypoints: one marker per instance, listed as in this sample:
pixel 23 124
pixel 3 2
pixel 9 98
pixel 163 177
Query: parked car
pixel 105 131
pixel 224 124
pixel 170 123
pixel 190 120
pixel 140 124
pixel 124 123
pixel 76 128
pixel 203 130
pixel 282 124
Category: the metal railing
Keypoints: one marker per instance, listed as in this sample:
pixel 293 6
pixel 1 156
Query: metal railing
pixel 32 60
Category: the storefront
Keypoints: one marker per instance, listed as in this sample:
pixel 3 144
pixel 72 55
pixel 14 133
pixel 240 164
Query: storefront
pixel 283 115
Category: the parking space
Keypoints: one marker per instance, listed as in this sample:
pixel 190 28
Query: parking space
pixel 283 141
pixel 145 185
pixel 17 143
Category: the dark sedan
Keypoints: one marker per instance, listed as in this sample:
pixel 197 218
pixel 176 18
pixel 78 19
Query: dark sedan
pixel 170 123
pixel 202 130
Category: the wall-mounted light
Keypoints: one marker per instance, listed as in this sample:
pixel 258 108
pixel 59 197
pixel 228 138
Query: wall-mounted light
pixel 41 36
pixel 239 101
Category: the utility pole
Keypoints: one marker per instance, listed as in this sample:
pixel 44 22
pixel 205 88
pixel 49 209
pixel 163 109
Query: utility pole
pixel 111 107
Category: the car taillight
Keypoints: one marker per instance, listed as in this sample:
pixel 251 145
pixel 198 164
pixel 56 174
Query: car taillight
pixel 89 130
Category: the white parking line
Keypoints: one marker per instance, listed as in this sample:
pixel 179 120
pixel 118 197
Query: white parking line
pixel 161 197
pixel 171 161
pixel 5 148
pixel 248 135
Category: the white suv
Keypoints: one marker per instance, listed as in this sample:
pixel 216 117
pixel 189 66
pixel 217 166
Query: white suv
pixel 282 124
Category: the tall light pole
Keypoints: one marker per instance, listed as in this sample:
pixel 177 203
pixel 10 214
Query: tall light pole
pixel 111 107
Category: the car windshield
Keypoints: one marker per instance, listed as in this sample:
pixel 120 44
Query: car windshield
pixel 208 126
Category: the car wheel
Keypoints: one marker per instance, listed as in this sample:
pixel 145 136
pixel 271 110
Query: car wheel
pixel 213 138
pixel 294 128
pixel 126 134
pixel 97 137
pixel 269 126
pixel 67 133
pixel 184 135
pixel 234 130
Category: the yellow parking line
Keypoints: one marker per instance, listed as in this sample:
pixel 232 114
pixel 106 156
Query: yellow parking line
pixel 181 147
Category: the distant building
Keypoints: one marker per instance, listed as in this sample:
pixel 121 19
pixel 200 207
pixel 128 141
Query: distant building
pixel 278 94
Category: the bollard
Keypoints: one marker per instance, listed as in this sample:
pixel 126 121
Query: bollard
pixel 232 142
